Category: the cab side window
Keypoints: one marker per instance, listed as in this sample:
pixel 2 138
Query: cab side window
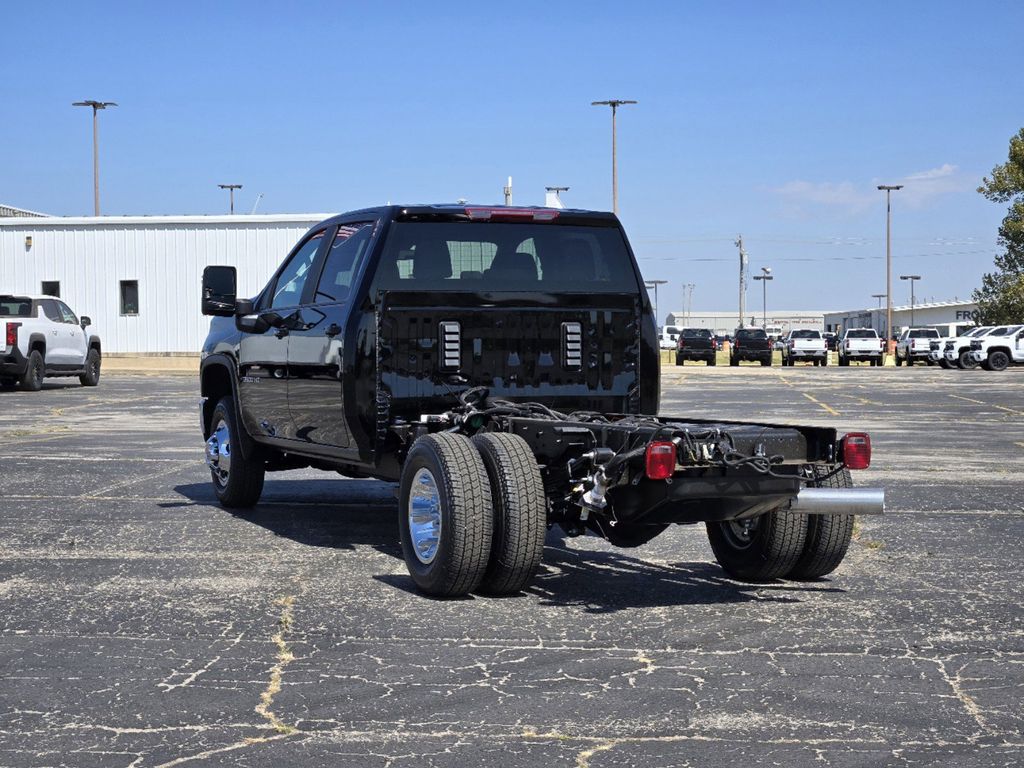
pixel 51 311
pixel 343 260
pixel 290 283
pixel 66 314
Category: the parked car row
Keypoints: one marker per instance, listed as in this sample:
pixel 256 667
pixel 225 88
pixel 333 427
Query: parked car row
pixel 994 348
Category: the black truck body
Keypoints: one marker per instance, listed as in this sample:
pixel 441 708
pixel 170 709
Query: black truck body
pixel 696 344
pixel 502 365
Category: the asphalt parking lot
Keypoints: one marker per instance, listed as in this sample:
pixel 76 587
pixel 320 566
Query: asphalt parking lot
pixel 142 625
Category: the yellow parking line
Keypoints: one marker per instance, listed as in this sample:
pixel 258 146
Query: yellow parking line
pixel 990 405
pixel 817 402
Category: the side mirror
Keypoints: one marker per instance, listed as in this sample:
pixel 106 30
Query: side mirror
pixel 85 320
pixel 219 291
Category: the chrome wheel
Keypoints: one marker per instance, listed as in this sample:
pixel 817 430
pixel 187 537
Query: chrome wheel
pixel 424 516
pixel 218 453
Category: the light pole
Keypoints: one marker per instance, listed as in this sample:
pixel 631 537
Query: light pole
pixel 96 107
pixel 614 104
pixel 231 189
pixel 911 278
pixel 878 296
pixel 654 284
pixel 764 277
pixel 889 189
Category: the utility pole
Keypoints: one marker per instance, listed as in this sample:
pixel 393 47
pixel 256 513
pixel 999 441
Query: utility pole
pixel 764 277
pixel 654 284
pixel 96 107
pixel 889 189
pixel 231 189
pixel 688 301
pixel 743 278
pixel 614 104
pixel 508 192
pixel 912 279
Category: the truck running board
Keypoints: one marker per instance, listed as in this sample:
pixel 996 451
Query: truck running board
pixel 839 501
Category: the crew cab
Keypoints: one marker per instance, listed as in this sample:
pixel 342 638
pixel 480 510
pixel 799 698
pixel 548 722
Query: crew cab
pixel 750 344
pixel 957 352
pixel 915 344
pixel 501 366
pixel 1000 349
pixel 804 344
pixel 696 344
pixel 860 344
pixel 43 337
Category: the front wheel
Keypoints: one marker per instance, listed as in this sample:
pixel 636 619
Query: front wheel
pixel 944 363
pixel 760 548
pixel 966 362
pixel 237 481
pixel 91 375
pixel 446 515
pixel 998 361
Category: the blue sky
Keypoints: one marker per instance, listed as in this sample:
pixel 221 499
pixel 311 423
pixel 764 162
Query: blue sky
pixel 772 119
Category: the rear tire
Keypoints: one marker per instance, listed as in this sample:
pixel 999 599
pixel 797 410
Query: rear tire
pixel 446 515
pixel 910 361
pixel 828 536
pixel 734 361
pixel 766 362
pixel 899 361
pixel 768 550
pixel 679 360
pixel 32 379
pixel 91 376
pixel 520 512
pixel 712 361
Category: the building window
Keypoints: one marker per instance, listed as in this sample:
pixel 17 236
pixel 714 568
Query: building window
pixel 129 297
pixel 51 288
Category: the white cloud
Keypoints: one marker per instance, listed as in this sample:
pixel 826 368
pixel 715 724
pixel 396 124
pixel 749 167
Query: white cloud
pixel 919 189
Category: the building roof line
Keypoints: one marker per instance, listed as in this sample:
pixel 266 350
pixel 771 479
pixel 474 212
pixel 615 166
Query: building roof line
pixel 114 221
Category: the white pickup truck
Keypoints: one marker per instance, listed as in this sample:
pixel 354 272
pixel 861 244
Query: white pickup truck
pixel 957 352
pixel 999 349
pixel 860 344
pixel 804 344
pixel 914 344
pixel 42 337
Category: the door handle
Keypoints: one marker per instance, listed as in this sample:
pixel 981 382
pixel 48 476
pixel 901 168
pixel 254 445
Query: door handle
pixel 333 330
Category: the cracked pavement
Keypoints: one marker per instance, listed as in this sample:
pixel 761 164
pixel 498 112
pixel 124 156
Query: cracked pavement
pixel 143 625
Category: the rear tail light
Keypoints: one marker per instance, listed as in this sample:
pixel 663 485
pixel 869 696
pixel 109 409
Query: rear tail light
pixel 714 343
pixel 660 461
pixel 12 334
pixel 856 450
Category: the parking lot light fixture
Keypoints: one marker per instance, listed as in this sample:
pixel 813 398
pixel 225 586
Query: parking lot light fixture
pixel 654 284
pixel 764 277
pixel 888 189
pixel 614 104
pixel 912 279
pixel 231 189
pixel 96 107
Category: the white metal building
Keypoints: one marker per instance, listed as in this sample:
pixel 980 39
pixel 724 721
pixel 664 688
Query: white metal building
pixel 929 313
pixel 138 277
pixel 778 321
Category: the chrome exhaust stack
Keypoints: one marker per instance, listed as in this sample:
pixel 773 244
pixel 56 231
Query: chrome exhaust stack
pixel 839 501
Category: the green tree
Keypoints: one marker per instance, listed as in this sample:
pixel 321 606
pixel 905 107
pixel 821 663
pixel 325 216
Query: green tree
pixel 1000 298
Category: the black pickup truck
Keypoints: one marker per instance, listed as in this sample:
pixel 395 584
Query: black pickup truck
pixel 501 365
pixel 696 344
pixel 751 344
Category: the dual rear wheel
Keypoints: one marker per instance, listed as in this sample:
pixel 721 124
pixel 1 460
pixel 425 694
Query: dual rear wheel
pixel 473 514
pixel 780 544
